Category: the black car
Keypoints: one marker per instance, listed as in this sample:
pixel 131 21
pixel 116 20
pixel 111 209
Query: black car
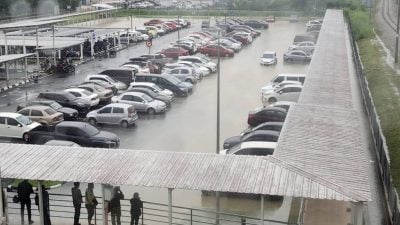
pixel 267 114
pixel 257 24
pixel 67 99
pixel 154 95
pixel 258 135
pixel 68 113
pixel 274 126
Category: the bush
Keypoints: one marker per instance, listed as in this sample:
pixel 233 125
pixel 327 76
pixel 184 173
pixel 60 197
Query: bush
pixel 361 26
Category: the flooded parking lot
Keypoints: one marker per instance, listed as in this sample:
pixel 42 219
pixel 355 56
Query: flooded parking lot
pixel 190 124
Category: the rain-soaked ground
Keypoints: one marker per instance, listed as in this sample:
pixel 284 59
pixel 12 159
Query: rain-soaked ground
pixel 190 124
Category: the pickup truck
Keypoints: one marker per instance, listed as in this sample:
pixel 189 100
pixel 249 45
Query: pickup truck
pixel 81 133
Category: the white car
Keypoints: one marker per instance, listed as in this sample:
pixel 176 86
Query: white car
pixel 313 22
pixel 204 71
pixel 273 86
pixel 268 58
pixel 118 84
pixel 138 68
pixel 85 94
pixel 152 86
pixel 234 46
pixel 203 61
pixel 306 46
pixel 259 148
pixel 141 102
pixel 15 125
pixel 286 93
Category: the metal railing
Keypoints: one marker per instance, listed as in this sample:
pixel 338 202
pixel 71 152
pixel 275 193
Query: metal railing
pixel 381 150
pixel 152 213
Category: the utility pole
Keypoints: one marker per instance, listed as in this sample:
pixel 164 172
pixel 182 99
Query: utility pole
pixel 218 91
pixel 396 51
pixel 179 28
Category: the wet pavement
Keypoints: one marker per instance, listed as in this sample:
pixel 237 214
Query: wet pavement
pixel 190 124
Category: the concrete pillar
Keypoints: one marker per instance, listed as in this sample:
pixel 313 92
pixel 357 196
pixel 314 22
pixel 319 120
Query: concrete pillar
pixel 104 207
pixel 7 75
pixel 41 203
pixel 24 51
pixel 217 207
pixel 37 49
pixel 119 40
pixel 262 210
pixel 170 206
pixel 54 46
pixel 81 48
pixel 127 35
pixel 91 46
pixel 5 43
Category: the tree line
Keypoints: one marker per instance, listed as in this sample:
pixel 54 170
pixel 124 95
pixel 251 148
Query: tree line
pixel 28 7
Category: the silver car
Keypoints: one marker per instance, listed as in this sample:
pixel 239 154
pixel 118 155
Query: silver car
pixel 306 46
pixel 296 55
pixel 114 113
pixel 141 102
pixel 185 74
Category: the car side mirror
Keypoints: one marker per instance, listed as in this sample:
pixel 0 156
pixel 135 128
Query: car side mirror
pixel 280 92
pixel 19 125
pixel 143 102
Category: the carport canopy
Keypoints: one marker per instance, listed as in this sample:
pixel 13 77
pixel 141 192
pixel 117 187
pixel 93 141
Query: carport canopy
pixel 13 57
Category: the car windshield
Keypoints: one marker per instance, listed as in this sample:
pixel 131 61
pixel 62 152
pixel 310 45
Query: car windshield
pixel 268 56
pixel 70 96
pixel 24 120
pixel 157 88
pixel 86 92
pixel 173 80
pixel 55 106
pixel 91 130
pixel 147 98
pixel 50 111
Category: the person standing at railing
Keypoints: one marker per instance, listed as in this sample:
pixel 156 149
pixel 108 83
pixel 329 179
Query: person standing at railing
pixel 24 191
pixel 115 205
pixel 90 202
pixel 77 201
pixel 136 208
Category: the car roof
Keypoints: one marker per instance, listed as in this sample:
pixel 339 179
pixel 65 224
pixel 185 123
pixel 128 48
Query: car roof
pixel 266 132
pixel 38 107
pixel 270 124
pixel 10 114
pixel 122 105
pixel 283 103
pixel 75 89
pixel 292 85
pixel 291 51
pixel 143 83
pixel 258 144
pixel 269 52
pixel 291 75
pixel 140 94
pixel 271 108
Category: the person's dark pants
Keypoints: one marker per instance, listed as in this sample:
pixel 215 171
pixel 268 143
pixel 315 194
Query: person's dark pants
pixel 90 211
pixel 27 203
pixel 77 213
pixel 116 214
pixel 134 220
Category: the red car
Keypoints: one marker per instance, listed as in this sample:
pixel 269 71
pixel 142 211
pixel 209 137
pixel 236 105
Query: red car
pixel 174 52
pixel 172 25
pixel 241 39
pixel 153 22
pixel 212 50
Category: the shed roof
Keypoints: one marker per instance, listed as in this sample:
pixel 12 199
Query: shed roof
pixel 12 57
pixel 192 171
pixel 44 42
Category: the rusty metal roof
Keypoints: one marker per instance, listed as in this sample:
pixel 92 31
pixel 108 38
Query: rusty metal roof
pixel 322 134
pixel 192 171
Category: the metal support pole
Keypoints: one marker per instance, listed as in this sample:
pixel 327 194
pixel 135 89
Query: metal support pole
pixel 5 43
pixel 170 206
pixel 37 49
pixel 25 58
pixel 104 207
pixel 127 35
pixel 41 213
pixel 54 46
pixel 262 210
pixel 218 207
pixel 119 40
pixel 81 48
pixel 179 29
pixel 396 52
pixel 131 23
pixel 218 93
pixel 7 74
pixel 1 200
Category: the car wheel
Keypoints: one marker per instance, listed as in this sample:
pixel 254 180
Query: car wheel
pixel 124 124
pixel 189 81
pixel 92 121
pixel 226 55
pixel 151 111
pixel 26 138
pixel 271 100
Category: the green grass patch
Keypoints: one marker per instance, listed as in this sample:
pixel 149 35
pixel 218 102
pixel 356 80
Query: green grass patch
pixel 35 183
pixel 384 85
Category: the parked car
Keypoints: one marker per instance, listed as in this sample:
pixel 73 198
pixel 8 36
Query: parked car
pixel 258 24
pixel 201 61
pixel 274 126
pixel 85 94
pixel 200 71
pixel 174 52
pixel 166 82
pixel 44 115
pixel 118 84
pixel 154 95
pixel 287 77
pixel 315 27
pixel 267 114
pixel 296 55
pixel 258 148
pixel 153 87
pixel 128 37
pixel 15 125
pixel 212 50
pixel 125 75
pixel 258 135
pixel 104 84
pixel 270 19
pixel 286 93
pixel 304 37
pixel 68 113
pixel 228 44
pixel 293 19
pixel 186 74
pixel 115 113
pixel 61 143
pixel 105 95
pixel 306 46
pixel 153 22
pixel 268 58
pixel 313 22
pixel 274 86
pixel 81 133
pixel 67 99
pixel 141 102
pixel 283 104
pixel 158 59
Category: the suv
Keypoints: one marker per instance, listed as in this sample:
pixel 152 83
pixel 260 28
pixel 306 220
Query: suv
pixel 267 114
pixel 67 99
pixel 268 58
pixel 141 102
pixel 114 113
pixel 68 113
pixel 15 125
pixel 44 115
pixel 286 93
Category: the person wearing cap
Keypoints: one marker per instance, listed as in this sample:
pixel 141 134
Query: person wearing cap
pixel 77 202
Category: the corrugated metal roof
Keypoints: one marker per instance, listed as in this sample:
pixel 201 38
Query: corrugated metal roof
pixel 11 57
pixel 193 171
pixel 29 23
pixel 44 42
pixel 322 133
